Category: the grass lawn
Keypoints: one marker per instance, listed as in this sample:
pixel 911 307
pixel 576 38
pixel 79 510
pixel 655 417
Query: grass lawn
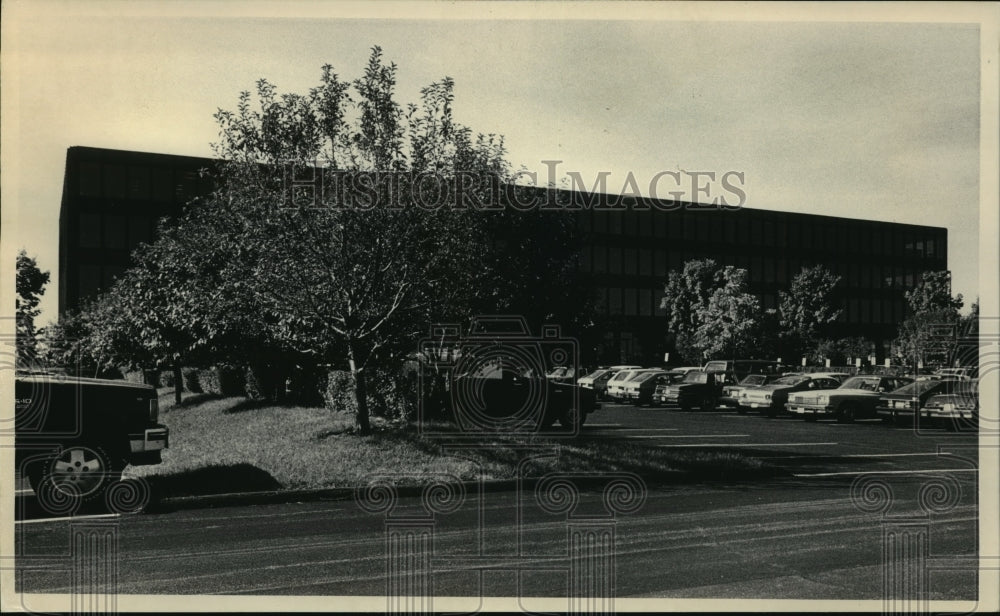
pixel 234 444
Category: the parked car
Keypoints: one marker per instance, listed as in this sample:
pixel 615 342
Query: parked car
pixel 76 435
pixel 857 397
pixel 742 367
pixel 965 374
pixel 901 406
pixel 587 381
pixel 955 408
pixel 639 389
pixel 562 374
pixel 617 382
pixel 698 388
pixel 731 393
pixel 664 381
pixel 770 399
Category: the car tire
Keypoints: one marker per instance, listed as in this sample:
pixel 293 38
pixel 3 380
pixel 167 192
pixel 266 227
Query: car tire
pixel 810 418
pixel 741 410
pixel 707 404
pixel 566 420
pixel 80 471
pixel 847 413
pixel 771 413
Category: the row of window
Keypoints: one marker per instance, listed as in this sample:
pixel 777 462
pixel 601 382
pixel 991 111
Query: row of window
pixel 95 278
pixel 646 302
pixel 141 182
pixel 113 231
pixel 737 228
pixel 659 261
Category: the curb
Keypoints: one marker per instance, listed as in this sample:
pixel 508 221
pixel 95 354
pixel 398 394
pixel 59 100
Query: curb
pixel 270 497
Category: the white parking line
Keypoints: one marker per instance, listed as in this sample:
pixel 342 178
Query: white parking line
pixel 879 455
pixel 648 430
pixel 748 444
pixel 907 472
pixel 690 436
pixel 593 425
pixel 74 517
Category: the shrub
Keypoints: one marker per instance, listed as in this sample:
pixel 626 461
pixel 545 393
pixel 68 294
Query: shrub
pixel 338 395
pixel 191 382
pixel 167 378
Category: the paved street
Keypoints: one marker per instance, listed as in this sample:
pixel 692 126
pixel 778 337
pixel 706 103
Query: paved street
pixel 797 537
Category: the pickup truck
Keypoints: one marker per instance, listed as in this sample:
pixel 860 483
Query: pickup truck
pixel 77 435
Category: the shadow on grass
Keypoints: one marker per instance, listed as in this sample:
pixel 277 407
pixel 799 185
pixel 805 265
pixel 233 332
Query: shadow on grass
pixel 215 479
pixel 248 404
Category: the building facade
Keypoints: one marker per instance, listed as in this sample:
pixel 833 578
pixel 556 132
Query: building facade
pixel 112 200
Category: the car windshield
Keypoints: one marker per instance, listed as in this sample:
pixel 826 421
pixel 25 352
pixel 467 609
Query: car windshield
pixel 558 371
pixel 696 377
pixel 790 380
pixel 624 375
pixel 918 387
pixel 595 374
pixel 861 382
pixel 754 379
pixel 642 377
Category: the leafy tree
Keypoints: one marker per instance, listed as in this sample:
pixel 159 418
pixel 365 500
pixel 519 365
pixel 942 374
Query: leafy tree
pixel 931 330
pixel 31 283
pixel 933 293
pixel 729 320
pixel 685 297
pixel 709 310
pixel 807 309
pixel 838 351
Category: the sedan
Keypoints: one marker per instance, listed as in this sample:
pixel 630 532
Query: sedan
pixel 902 404
pixel 731 393
pixel 856 398
pixel 770 399
pixel 956 408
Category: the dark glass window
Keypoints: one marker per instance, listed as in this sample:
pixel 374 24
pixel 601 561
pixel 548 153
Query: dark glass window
pixel 583 220
pixel 645 221
pixel 90 280
pixel 115 234
pixel 781 271
pixel 138 231
pixel 90 179
pixel 730 229
pixel 109 275
pixel 615 259
pixel 645 262
pixel 187 186
pixel 768 269
pixel 630 258
pixel 615 300
pixel 675 226
pixel 138 183
pixel 90 230
pixel 600 259
pixel 876 311
pixel 115 181
pixel 631 309
pixel 768 233
pixel 615 222
pixel 756 235
pixel 659 224
pixel 659 262
pixel 601 221
pixel 645 302
pixel 163 184
pixel 586 259
pixel 704 228
pixel 757 269
pixel 601 301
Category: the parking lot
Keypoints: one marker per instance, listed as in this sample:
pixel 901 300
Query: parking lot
pixel 809 449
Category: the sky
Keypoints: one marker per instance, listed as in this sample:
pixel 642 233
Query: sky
pixel 877 120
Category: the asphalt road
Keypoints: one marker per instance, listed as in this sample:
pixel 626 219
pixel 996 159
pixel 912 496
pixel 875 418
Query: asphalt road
pixel 801 537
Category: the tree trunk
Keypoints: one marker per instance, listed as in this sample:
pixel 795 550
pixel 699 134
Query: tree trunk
pixel 178 383
pixel 361 394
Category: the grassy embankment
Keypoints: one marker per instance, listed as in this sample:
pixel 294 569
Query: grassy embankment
pixel 233 444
